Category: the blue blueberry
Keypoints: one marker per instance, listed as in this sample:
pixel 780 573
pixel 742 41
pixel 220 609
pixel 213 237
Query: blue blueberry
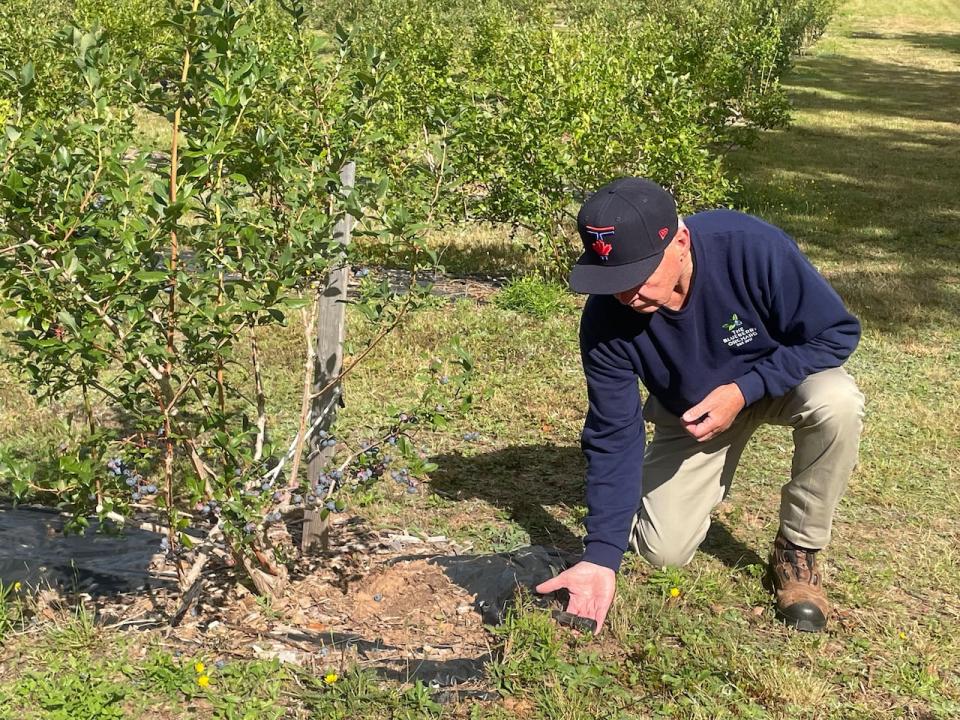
pixel 378 597
pixel 331 506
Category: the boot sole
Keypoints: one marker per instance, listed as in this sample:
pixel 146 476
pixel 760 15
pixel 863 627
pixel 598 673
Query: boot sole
pixel 803 625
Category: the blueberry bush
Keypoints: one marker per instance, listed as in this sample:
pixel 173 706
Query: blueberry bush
pixel 135 274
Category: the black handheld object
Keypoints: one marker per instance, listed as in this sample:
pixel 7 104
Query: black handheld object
pixel 562 597
pixel 575 621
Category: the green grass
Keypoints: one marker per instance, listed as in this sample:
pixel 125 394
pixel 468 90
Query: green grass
pixel 866 181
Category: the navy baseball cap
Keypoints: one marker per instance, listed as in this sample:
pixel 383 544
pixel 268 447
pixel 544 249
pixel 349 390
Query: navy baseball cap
pixel 625 226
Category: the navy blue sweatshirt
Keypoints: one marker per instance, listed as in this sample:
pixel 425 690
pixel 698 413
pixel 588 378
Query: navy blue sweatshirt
pixel 757 314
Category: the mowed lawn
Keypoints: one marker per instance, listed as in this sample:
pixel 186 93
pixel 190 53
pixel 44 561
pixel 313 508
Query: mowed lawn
pixel 867 180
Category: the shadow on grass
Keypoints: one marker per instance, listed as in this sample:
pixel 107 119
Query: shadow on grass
pixel 875 197
pixel 525 481
pixel 949 42
pixel 725 547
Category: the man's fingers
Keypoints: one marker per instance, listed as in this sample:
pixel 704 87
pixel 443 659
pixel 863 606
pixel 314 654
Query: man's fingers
pixel 696 412
pixel 702 430
pixel 549 586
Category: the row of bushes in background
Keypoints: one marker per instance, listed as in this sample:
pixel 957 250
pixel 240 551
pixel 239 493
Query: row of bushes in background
pixel 524 106
pixel 538 103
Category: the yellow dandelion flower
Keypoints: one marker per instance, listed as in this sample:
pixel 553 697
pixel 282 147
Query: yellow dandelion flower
pixel 330 678
pixel 199 667
pixel 17 586
pixel 674 592
pixel 203 681
pixel 903 635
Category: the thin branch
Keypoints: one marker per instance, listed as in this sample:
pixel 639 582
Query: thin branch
pixel 261 398
pixel 309 331
pixel 272 475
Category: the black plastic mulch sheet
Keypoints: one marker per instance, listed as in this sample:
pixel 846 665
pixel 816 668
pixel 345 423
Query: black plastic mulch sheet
pixel 496 579
pixel 35 552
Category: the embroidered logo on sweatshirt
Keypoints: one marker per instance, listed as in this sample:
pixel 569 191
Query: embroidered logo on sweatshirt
pixel 734 323
pixel 739 334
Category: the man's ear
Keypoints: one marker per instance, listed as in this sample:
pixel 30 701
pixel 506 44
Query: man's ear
pixel 682 238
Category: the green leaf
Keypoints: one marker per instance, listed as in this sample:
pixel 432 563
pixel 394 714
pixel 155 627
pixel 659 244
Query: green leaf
pixel 87 40
pixel 295 303
pixel 67 319
pixel 27 76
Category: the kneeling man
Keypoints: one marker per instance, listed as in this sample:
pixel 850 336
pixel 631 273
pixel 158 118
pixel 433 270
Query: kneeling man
pixel 728 326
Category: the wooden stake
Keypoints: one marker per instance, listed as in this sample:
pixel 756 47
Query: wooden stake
pixel 328 361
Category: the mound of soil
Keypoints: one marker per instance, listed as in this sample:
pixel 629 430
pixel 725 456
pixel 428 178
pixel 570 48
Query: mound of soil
pixel 407 607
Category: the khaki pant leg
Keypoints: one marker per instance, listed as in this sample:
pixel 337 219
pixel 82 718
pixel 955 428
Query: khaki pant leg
pixel 683 481
pixel 826 414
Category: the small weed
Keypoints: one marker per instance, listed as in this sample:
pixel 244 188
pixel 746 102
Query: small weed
pixel 265 603
pixel 78 634
pixel 11 607
pixel 358 693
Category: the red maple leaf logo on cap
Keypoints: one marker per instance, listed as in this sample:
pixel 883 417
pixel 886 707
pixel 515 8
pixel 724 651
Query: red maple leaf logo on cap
pixel 602 248
pixel 600 245
pixel 663 232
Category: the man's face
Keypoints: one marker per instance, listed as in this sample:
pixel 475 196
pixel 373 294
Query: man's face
pixel 656 290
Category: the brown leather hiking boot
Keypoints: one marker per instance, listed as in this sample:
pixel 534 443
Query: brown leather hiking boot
pixel 801 601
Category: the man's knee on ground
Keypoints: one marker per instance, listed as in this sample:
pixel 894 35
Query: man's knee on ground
pixel 672 555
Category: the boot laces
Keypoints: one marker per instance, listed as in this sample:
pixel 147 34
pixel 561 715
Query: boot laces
pixel 802 563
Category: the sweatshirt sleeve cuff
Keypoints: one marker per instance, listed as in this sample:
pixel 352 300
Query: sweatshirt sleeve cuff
pixel 751 385
pixel 600 553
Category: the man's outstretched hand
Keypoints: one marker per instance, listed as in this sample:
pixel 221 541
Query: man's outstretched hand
pixel 591 589
pixel 715 413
